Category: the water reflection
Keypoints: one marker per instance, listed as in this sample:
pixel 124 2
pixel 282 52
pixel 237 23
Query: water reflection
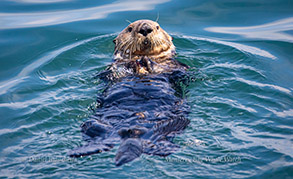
pixel 40 1
pixel 270 31
pixel 36 19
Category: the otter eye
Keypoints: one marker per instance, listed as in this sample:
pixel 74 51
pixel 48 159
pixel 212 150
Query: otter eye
pixel 158 27
pixel 129 29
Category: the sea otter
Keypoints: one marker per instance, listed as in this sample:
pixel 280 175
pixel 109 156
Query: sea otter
pixel 141 109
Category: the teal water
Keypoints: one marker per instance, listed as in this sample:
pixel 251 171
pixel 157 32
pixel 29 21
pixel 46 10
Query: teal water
pixel 241 103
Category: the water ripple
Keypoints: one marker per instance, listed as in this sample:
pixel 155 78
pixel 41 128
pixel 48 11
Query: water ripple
pixel 5 86
pixel 283 146
pixel 269 31
pixel 282 114
pixel 38 19
pixel 236 67
pixel 241 47
pixel 233 103
pixel 254 83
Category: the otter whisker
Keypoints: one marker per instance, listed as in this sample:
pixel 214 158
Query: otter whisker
pixel 130 54
pixel 126 44
pixel 165 41
pixel 128 21
pixel 159 42
pixel 158 16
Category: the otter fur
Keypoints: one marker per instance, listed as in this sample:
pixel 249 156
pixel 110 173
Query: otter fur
pixel 141 110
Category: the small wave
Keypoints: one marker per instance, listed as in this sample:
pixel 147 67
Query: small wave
pixel 256 139
pixel 283 114
pixel 241 47
pixel 254 83
pixel 15 130
pixel 235 66
pixel 231 103
pixel 53 97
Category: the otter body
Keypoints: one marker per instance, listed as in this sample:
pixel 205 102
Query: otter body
pixel 139 108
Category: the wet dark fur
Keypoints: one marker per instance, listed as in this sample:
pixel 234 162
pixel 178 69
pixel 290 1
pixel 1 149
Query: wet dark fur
pixel 141 112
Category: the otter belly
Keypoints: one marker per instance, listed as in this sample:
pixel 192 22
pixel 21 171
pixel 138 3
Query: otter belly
pixel 140 114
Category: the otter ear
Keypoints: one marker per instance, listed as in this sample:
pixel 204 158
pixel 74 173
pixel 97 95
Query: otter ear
pixel 114 41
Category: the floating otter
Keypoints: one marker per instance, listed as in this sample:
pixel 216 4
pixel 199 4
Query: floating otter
pixel 141 108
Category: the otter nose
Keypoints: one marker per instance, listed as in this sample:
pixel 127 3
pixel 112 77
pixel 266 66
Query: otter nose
pixel 145 30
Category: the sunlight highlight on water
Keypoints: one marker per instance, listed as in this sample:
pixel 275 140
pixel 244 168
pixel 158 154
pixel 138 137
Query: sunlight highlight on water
pixel 276 30
pixel 37 19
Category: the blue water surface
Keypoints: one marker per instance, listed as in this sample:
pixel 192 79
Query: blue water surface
pixel 241 103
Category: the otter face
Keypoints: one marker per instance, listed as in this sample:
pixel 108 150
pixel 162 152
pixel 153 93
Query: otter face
pixel 143 37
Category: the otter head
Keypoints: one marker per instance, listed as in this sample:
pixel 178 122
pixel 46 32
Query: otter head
pixel 143 38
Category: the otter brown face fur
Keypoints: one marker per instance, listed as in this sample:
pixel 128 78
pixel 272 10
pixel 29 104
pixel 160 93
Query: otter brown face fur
pixel 143 38
pixel 143 48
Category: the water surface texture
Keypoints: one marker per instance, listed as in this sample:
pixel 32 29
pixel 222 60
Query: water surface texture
pixel 241 118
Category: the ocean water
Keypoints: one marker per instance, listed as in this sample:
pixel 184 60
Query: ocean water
pixel 241 103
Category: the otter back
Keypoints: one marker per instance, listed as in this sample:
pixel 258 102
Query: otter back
pixel 141 113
